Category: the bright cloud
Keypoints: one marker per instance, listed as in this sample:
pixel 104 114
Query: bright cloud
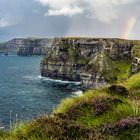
pixel 66 11
pixel 4 23
pixel 103 10
pixel 62 7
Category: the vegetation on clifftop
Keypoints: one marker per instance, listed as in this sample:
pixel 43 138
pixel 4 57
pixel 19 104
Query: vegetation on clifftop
pixel 136 51
pixel 111 112
pixel 117 70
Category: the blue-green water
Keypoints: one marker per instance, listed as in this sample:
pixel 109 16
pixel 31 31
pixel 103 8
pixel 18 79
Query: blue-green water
pixel 23 93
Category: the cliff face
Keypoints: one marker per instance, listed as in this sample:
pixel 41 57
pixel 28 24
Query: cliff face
pixel 94 62
pixel 2 48
pixel 28 46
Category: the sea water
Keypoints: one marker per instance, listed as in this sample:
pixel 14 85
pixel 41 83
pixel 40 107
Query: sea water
pixel 24 94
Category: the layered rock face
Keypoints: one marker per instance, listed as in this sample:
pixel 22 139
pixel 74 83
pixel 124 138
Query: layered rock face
pixel 93 62
pixel 28 46
pixel 2 48
pixel 135 58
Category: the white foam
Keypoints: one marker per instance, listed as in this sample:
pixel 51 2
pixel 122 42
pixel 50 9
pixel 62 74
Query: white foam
pixel 11 55
pixel 78 93
pixel 32 77
pixel 51 80
pixel 40 76
pixel 2 127
pixel 59 81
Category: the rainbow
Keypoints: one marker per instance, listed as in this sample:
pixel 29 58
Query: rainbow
pixel 129 27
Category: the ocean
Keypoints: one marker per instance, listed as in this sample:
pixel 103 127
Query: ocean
pixel 24 94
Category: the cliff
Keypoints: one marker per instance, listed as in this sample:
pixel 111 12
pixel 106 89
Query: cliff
pixel 92 61
pixel 27 46
pixel 2 48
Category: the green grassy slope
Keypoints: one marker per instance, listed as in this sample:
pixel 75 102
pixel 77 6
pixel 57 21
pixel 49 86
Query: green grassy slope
pixel 109 113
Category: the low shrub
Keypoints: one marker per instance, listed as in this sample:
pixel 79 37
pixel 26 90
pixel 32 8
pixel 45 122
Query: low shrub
pixel 119 90
pixel 122 125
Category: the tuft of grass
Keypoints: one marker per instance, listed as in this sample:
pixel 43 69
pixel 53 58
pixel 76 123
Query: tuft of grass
pixel 133 82
pixel 4 135
pixel 69 102
pixel 112 115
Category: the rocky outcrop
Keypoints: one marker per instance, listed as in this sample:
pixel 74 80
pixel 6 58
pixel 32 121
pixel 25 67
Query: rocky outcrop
pixel 93 62
pixel 135 53
pixel 28 46
pixel 135 65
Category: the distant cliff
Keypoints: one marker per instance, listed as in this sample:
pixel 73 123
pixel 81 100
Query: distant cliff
pixel 92 61
pixel 27 46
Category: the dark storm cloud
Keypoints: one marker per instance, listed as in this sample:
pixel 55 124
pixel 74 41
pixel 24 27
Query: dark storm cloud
pixel 23 18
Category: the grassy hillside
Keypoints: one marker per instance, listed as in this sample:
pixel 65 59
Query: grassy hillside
pixel 109 113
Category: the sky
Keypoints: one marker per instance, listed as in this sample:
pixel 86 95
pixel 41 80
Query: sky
pixel 58 18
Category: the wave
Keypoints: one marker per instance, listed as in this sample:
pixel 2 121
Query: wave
pixel 32 77
pixel 59 81
pixel 11 55
pixel 51 80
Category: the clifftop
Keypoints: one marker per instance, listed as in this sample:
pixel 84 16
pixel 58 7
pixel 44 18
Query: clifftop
pixel 93 61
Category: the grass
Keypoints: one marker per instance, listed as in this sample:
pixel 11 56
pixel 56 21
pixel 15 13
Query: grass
pixel 116 70
pixel 111 116
pixel 133 82
pixel 67 103
pixel 86 114
pixel 98 114
pixel 136 51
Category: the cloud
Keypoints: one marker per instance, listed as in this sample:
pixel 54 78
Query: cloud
pixel 62 7
pixel 103 10
pixel 8 20
pixel 4 23
pixel 106 10
pixel 66 11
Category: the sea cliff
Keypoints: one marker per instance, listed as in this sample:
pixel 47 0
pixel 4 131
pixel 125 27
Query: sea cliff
pixel 92 61
pixel 27 46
